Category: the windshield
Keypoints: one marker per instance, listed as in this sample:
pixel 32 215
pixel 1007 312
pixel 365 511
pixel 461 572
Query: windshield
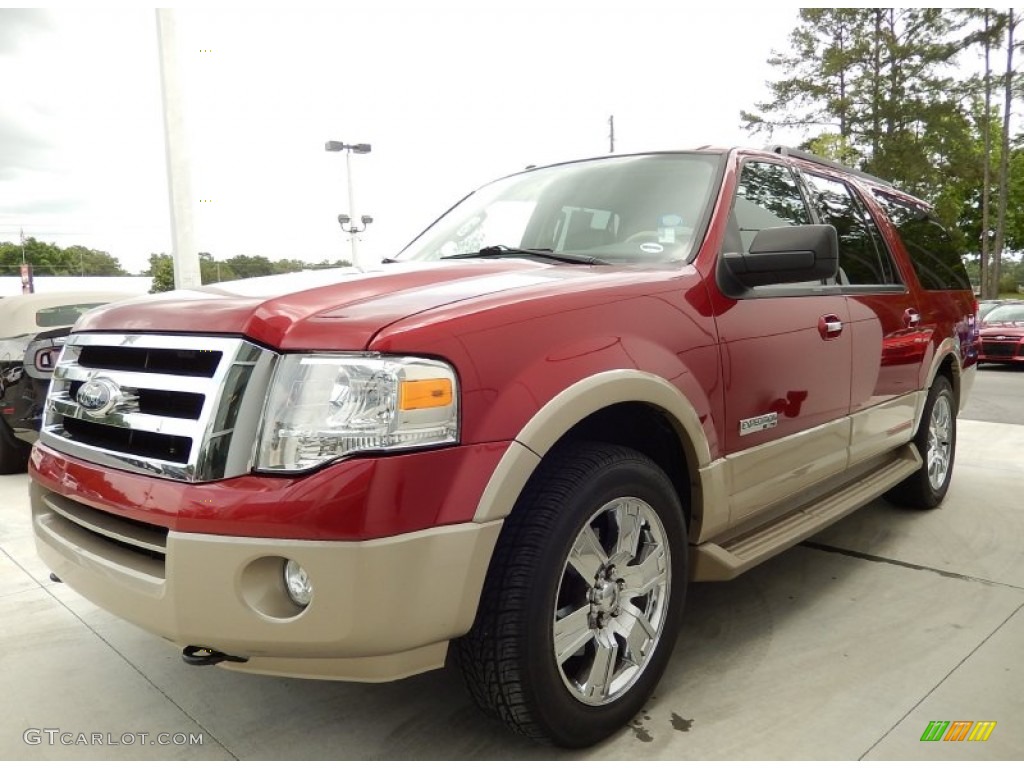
pixel 985 307
pixel 638 209
pixel 1007 313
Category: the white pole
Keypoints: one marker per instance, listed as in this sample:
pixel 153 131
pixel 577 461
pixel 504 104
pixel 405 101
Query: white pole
pixel 351 209
pixel 185 256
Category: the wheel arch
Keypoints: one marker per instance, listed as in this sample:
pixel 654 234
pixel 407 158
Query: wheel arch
pixel 947 362
pixel 661 422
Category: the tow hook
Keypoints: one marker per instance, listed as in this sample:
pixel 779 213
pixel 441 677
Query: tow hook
pixel 207 657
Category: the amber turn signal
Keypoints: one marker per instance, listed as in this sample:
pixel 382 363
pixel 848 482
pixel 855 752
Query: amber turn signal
pixel 428 393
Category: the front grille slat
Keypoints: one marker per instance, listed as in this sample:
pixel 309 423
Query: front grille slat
pixel 139 422
pixel 136 535
pixel 152 445
pixel 170 406
pixel 999 348
pixel 159 382
pixel 178 362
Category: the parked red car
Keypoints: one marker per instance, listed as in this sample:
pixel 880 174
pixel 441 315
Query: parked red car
pixel 1002 335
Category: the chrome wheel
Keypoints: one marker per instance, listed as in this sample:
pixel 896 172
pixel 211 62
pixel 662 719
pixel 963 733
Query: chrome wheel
pixel 583 597
pixel 612 601
pixel 939 451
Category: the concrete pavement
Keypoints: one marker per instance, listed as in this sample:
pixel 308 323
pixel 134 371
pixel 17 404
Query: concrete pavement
pixel 845 647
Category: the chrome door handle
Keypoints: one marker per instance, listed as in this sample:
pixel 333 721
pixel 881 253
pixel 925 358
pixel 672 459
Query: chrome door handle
pixel 830 326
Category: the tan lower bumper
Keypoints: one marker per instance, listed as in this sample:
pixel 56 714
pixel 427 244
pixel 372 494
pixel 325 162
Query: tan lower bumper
pixel 381 609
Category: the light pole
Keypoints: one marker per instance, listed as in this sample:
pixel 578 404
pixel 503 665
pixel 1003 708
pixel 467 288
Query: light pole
pixel 346 220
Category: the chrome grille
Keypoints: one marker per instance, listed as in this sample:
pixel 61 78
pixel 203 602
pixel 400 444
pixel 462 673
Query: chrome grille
pixel 181 407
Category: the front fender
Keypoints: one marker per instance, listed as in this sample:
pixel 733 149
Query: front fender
pixel 575 403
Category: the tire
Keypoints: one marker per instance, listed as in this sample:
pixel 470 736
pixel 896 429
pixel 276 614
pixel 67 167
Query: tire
pixel 13 452
pixel 616 615
pixel 936 442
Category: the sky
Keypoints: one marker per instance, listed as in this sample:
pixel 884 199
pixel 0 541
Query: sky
pixel 449 94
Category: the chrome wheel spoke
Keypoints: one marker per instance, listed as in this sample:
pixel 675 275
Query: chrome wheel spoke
pixel 587 556
pixel 572 633
pixel 637 631
pixel 597 684
pixel 646 575
pixel 630 525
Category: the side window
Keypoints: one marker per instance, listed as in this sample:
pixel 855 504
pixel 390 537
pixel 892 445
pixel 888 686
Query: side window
pixel 66 314
pixel 863 257
pixel 767 196
pixel 936 261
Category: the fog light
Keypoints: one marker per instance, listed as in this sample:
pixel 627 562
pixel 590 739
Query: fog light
pixel 297 582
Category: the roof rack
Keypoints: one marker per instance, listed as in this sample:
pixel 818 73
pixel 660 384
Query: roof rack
pixel 781 149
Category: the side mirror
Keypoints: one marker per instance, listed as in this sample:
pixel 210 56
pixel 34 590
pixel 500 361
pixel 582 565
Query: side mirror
pixel 787 255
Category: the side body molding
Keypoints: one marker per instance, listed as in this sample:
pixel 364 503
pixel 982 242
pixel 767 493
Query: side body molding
pixel 579 401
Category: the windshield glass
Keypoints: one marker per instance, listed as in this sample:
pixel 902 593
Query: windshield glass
pixel 639 209
pixel 1007 313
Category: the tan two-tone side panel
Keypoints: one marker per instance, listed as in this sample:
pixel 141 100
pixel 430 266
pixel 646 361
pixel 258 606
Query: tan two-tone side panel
pixel 767 474
pixel 887 425
pixel 573 405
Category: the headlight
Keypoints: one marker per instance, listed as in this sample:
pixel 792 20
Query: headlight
pixel 324 406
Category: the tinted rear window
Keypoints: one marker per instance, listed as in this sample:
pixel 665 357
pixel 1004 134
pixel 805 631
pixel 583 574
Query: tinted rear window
pixel 936 260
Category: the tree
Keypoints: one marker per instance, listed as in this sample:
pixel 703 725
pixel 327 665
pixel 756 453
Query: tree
pixel 815 92
pixel 250 266
pixel 872 88
pixel 992 281
pixel 161 269
pixel 51 259
pixel 92 262
pixel 986 128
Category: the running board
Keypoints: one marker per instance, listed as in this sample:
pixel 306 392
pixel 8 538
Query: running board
pixel 721 562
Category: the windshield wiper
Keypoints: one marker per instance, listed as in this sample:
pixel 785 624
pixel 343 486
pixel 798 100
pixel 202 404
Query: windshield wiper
pixel 504 251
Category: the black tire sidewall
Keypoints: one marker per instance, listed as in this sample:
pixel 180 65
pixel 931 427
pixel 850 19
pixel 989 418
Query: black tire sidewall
pixel 941 387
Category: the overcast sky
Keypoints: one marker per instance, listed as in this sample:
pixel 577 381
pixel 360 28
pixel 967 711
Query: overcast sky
pixel 450 95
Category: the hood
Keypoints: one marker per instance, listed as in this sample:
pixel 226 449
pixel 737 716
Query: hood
pixel 291 311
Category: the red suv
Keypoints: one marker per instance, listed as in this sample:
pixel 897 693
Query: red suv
pixel 580 388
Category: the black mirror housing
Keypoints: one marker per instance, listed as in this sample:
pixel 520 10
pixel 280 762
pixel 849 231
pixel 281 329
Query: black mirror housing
pixel 787 255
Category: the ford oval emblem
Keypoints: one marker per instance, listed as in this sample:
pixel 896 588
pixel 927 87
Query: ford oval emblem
pixel 652 247
pixel 98 396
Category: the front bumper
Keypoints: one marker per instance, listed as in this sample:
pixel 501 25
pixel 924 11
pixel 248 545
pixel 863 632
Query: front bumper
pixel 384 606
pixel 381 609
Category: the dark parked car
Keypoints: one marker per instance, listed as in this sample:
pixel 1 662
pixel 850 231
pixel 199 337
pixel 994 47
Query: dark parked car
pixel 25 395
pixel 21 318
pixel 1002 334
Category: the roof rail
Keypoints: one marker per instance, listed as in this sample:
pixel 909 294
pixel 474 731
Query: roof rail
pixel 781 149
